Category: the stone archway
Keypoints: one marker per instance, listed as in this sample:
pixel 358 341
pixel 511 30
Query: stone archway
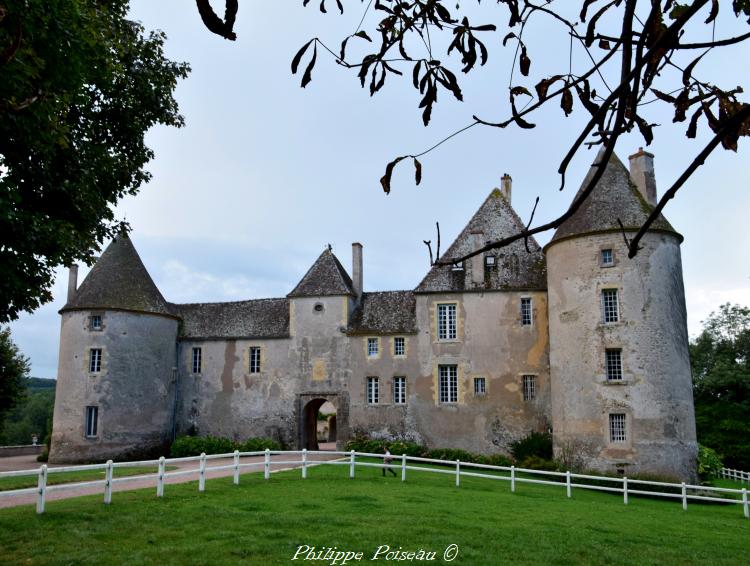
pixel 309 405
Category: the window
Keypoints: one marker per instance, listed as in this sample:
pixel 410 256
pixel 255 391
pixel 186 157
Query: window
pixel 617 429
pixel 95 360
pixel 399 346
pixel 95 322
pixel 318 307
pixel 614 364
pixel 480 386
pixel 373 392
pixel 489 261
pixel 372 347
pixel 92 421
pixel 607 257
pixel 529 387
pixel 526 311
pixel 609 305
pixel 197 359
pixel 255 359
pixel 448 377
pixel 458 266
pixel 399 390
pixel 446 322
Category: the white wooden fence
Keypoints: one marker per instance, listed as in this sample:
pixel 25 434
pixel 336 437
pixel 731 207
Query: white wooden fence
pixel 737 475
pixel 513 475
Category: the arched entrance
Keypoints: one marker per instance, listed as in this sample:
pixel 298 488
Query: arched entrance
pixel 323 419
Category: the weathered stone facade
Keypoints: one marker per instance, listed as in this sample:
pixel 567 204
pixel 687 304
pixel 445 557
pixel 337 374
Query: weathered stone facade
pixel 477 356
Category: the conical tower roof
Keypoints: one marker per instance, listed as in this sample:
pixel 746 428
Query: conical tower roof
pixel 614 197
pixel 515 269
pixel 119 281
pixel 326 277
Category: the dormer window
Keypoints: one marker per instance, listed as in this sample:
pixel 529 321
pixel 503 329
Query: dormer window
pixel 458 266
pixel 489 261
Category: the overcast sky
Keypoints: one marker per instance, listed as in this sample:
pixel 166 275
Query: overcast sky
pixel 266 174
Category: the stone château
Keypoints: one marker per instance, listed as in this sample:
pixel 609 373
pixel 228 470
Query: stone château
pixel 574 338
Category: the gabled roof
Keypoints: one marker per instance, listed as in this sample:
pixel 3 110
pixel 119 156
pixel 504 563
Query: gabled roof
pixel 326 277
pixel 386 312
pixel 614 197
pixel 515 269
pixel 119 280
pixel 260 318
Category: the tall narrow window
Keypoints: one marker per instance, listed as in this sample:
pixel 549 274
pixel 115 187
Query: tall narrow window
pixel 613 359
pixel 373 390
pixel 255 359
pixel 446 319
pixel 197 360
pixel 609 305
pixel 92 421
pixel 526 316
pixel 372 347
pixel 617 428
pixel 448 378
pixel 529 387
pixel 480 386
pixel 399 390
pixel 399 346
pixel 95 360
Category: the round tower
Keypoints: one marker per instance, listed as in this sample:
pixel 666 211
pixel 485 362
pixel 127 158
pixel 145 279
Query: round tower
pixel 116 379
pixel 622 396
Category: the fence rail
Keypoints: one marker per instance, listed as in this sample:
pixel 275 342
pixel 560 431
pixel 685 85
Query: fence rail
pixel 511 474
pixel 738 475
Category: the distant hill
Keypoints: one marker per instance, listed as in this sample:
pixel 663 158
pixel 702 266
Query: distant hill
pixel 34 384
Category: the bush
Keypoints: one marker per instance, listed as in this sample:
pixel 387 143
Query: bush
pixel 537 463
pixel 196 445
pixel 537 444
pixel 709 463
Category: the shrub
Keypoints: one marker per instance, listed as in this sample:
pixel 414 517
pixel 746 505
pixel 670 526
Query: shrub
pixel 397 447
pixel 709 463
pixel 537 444
pixel 537 463
pixel 196 445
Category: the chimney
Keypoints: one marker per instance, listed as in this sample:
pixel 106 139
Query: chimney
pixel 357 276
pixel 505 186
pixel 72 281
pixel 477 262
pixel 642 173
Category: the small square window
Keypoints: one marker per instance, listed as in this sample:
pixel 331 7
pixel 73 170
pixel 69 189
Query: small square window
pixel 372 347
pixel 526 311
pixel 489 261
pixel 617 428
pixel 95 360
pixel 254 359
pixel 529 387
pixel 399 390
pixel 458 266
pixel 95 322
pixel 480 386
pixel 92 421
pixel 613 359
pixel 373 391
pixel 399 346
pixel 197 360
pixel 607 257
pixel 610 308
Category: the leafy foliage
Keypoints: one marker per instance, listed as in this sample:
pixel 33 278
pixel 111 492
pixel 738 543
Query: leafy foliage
pixel 720 357
pixel 709 463
pixel 536 444
pixel 196 445
pixel 81 85
pixel 32 416
pixel 14 369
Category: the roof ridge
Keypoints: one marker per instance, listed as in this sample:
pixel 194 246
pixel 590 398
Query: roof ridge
pixel 326 277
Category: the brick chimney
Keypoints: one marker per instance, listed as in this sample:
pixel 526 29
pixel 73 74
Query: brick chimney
pixel 357 275
pixel 72 281
pixel 642 173
pixel 506 184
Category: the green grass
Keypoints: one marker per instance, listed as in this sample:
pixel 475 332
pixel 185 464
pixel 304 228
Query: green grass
pixel 264 522
pixel 21 482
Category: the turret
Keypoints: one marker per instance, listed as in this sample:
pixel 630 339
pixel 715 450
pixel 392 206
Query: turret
pixel 620 370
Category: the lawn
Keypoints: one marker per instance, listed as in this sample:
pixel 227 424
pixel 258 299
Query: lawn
pixel 21 482
pixel 265 522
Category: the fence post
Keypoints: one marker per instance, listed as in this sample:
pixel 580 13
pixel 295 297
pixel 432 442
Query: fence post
pixel 684 497
pixel 108 483
pixel 304 463
pixel 625 490
pixel 458 473
pixel 160 478
pixel 236 467
pixel 568 487
pixel 42 489
pixel 267 465
pixel 351 464
pixel 513 479
pixel 744 503
pixel 202 473
pixel 403 467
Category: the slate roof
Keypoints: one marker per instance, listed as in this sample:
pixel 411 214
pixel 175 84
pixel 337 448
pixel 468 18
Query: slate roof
pixel 119 280
pixel 615 196
pixel 516 269
pixel 326 277
pixel 385 312
pixel 259 318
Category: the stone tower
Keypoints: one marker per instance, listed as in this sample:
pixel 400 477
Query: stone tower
pixel 619 364
pixel 115 381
